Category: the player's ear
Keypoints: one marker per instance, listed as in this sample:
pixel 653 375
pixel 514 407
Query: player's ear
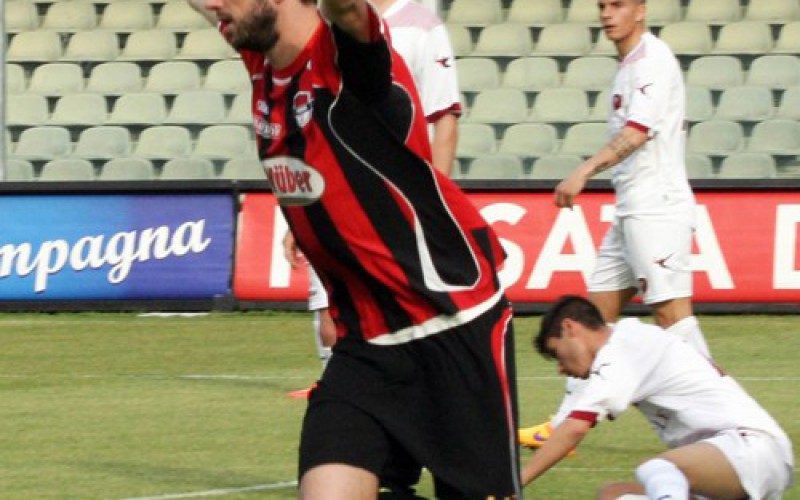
pixel 567 328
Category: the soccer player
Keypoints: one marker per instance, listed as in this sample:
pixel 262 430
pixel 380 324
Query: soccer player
pixel 425 347
pixel 723 444
pixel 420 37
pixel 648 247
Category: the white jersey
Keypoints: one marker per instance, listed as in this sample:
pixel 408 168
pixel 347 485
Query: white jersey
pixel 682 394
pixel 420 37
pixel 648 94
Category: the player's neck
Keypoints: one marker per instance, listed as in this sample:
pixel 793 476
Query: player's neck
pixel 382 5
pixel 304 22
pixel 627 44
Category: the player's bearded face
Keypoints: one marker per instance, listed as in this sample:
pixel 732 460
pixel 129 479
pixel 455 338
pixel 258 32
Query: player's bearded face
pixel 255 30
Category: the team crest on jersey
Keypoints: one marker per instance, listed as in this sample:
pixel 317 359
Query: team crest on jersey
pixel 294 182
pixel 303 107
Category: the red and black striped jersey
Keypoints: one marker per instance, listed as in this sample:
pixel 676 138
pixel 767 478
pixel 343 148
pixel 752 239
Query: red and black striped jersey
pixel 399 247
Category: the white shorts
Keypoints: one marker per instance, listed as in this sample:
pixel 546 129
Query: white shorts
pixel 652 256
pixel 758 460
pixel 317 296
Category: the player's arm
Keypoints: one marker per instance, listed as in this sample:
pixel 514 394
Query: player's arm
pixel 565 438
pixel 443 142
pixel 200 7
pixel 351 16
pixel 628 140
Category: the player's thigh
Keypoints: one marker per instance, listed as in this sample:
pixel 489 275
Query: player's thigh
pixel 707 469
pixel 338 482
pixel 612 271
pixel 659 252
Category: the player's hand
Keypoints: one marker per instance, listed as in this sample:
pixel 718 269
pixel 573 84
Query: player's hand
pixel 293 254
pixel 569 188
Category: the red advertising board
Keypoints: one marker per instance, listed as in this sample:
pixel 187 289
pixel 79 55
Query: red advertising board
pixel 746 246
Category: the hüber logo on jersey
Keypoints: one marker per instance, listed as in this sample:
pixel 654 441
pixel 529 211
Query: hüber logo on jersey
pixel 293 181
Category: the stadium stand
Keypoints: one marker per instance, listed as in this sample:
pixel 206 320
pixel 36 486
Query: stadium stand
pixel 187 168
pixel 104 142
pixel 163 142
pixel 496 166
pixel 243 168
pixel 530 71
pixel 748 165
pixel 127 169
pixel 67 169
pixel 19 170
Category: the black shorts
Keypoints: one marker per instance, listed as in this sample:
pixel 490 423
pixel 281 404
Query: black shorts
pixel 446 402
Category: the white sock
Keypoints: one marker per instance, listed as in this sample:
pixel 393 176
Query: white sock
pixel 689 329
pixel 662 480
pixel 574 388
pixel 324 352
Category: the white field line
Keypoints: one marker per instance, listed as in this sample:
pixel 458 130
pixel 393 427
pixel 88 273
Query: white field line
pixel 221 491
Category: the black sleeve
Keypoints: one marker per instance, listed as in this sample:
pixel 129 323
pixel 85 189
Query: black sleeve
pixel 366 67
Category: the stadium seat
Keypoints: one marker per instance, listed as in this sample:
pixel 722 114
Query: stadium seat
pixel 477 13
pixel 744 37
pixel 241 110
pixel 180 17
pixel 715 72
pixel 699 166
pixel 43 143
pixel 603 46
pixel 583 12
pixel 197 107
pixel 35 47
pixel 503 40
pixel 71 16
pixel 590 72
pixel 92 46
pixel 560 105
pixel 243 168
pixel 223 142
pixel 564 40
pixel 716 137
pixel 67 169
pixel 584 139
pixel 535 12
pixel 187 168
pixel 496 166
pixel 15 79
pixel 173 77
pixel 115 78
pixel 477 73
pixel 163 142
pixel 460 39
pixel 228 76
pixel 532 73
pixel 699 103
pixel 714 12
pixel 84 109
pixel 789 107
pixel 788 41
pixel 503 105
pixel 663 12
pixel 205 45
pixel 150 45
pixel 773 11
pixel 555 166
pixel 776 71
pixel 55 79
pixel 139 108
pixel 475 139
pixel 127 16
pixel 601 108
pixel 26 110
pixel 127 169
pixel 21 15
pixel 778 136
pixel 18 170
pixel 529 140
pixel 748 166
pixel 103 142
pixel 745 103
pixel 687 38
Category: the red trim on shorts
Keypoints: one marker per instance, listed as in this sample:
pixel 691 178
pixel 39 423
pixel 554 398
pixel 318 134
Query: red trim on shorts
pixel 454 109
pixel 637 126
pixel 586 416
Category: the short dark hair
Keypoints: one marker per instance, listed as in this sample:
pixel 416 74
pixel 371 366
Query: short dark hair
pixel 573 307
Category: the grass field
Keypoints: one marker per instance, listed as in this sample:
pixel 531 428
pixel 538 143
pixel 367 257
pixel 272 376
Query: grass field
pixel 119 406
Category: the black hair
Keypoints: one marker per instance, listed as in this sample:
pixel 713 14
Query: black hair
pixel 568 306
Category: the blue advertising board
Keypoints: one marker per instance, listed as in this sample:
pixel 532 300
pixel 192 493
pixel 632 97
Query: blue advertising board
pixel 115 246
